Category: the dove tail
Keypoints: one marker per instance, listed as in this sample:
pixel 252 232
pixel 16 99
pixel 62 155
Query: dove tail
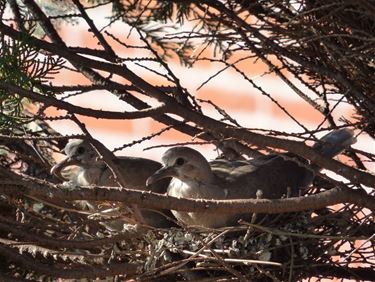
pixel 335 142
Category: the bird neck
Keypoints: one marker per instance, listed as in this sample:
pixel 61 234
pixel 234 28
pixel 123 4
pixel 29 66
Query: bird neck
pixel 204 174
pixel 90 174
pixel 193 188
pixel 93 165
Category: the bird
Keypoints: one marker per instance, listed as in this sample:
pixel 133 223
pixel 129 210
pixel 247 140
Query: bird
pixel 274 175
pixel 94 171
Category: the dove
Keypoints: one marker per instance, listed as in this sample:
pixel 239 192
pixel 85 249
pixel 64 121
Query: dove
pixel 93 171
pixel 273 175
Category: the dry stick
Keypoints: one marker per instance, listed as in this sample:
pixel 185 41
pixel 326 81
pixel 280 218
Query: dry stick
pixel 223 262
pixel 220 259
pixel 265 272
pixel 241 261
pixel 313 236
pixel 153 274
pixel 291 259
pixel 357 248
pixel 249 230
pixel 194 255
pixel 149 137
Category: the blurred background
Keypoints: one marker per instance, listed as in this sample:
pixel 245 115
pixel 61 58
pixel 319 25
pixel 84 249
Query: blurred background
pixel 245 101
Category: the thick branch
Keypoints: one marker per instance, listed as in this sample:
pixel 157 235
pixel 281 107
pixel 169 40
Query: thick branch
pixel 34 187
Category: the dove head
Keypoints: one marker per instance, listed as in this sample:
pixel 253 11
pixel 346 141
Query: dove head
pixel 78 152
pixel 183 163
pixel 81 151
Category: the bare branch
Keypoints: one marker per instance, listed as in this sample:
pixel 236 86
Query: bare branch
pixel 93 29
pixel 25 186
pixel 51 101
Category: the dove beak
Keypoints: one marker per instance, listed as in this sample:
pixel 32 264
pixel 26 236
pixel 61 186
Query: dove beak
pixel 164 172
pixel 57 168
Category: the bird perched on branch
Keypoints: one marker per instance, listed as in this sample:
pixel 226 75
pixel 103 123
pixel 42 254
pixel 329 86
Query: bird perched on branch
pixel 273 175
pixel 93 171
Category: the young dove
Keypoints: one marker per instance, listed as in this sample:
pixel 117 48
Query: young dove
pixel 273 175
pixel 93 171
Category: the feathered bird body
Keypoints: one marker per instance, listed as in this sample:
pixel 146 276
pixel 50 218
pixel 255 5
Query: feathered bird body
pixel 93 171
pixel 274 175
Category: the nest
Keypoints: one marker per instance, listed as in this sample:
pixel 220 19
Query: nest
pixel 60 239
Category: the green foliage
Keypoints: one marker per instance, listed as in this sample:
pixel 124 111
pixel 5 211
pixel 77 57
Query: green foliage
pixel 155 19
pixel 151 11
pixel 23 66
pixel 161 23
pixel 12 70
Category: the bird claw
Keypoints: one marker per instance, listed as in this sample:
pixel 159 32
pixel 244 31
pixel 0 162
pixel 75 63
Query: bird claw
pixel 69 185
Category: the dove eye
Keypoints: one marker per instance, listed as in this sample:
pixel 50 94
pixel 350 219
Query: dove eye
pixel 180 161
pixel 80 150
